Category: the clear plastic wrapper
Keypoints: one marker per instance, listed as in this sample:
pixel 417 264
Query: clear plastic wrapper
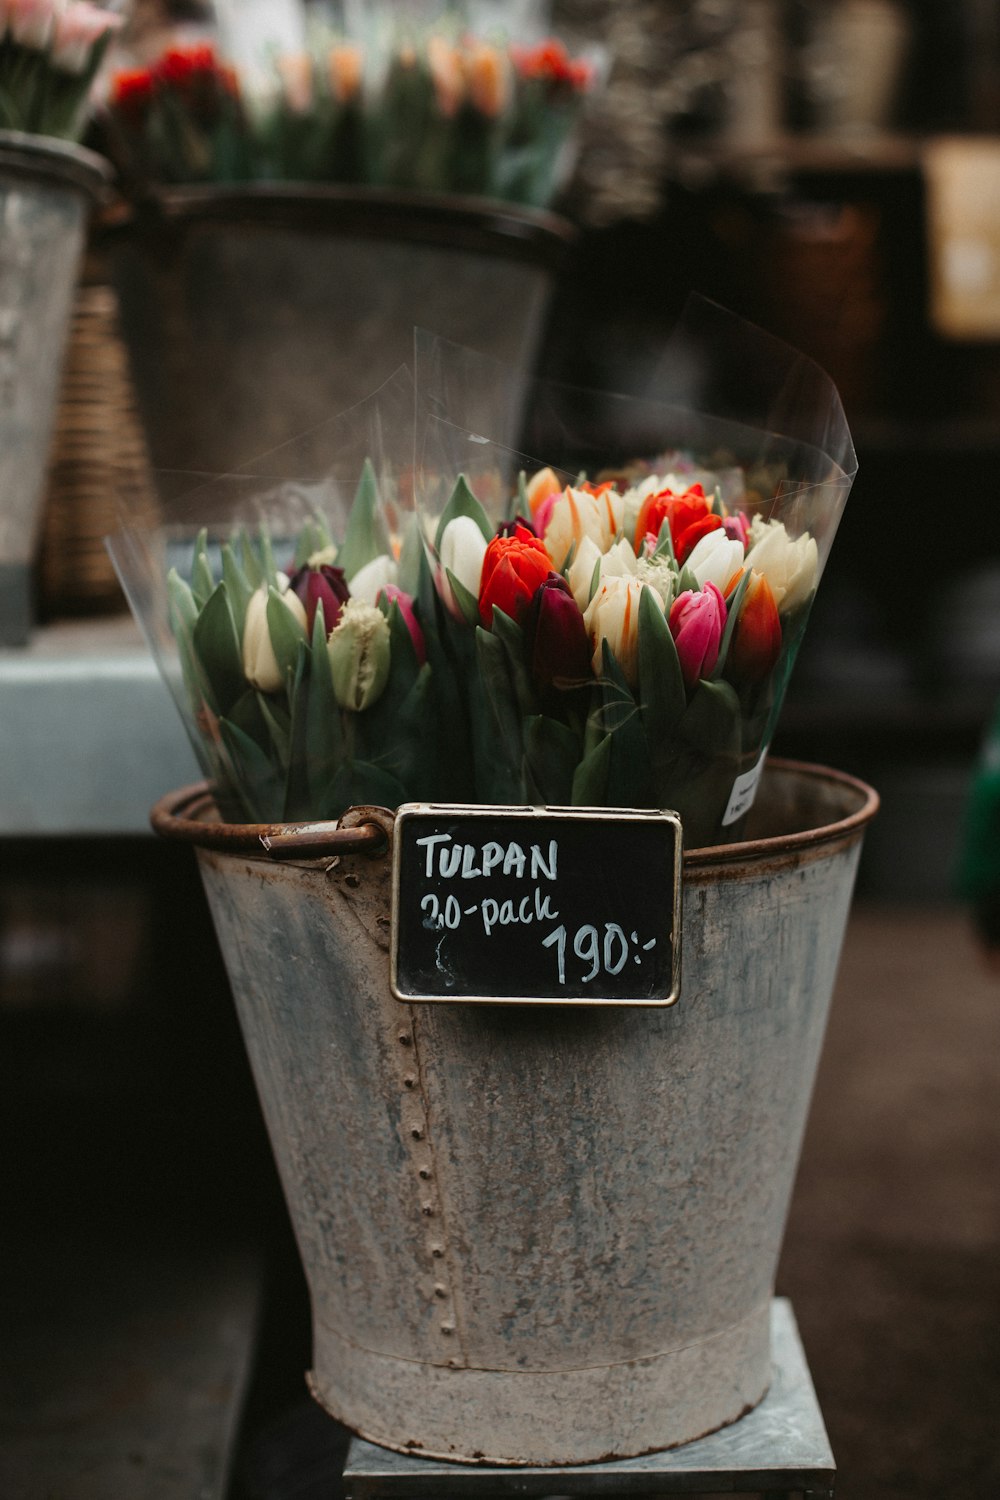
pixel 508 592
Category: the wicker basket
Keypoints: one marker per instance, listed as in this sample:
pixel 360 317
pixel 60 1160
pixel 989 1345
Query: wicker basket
pixel 98 462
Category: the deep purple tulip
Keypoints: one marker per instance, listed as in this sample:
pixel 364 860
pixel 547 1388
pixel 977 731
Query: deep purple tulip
pixel 556 636
pixel 325 583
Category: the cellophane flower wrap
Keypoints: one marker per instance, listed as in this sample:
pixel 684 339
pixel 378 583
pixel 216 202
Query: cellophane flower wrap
pixel 292 613
pixel 627 628
pixel 437 616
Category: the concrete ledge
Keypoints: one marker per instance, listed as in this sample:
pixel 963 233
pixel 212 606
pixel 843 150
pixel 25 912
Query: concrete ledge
pixel 89 735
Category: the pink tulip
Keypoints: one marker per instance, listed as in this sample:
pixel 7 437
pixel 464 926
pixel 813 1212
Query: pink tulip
pixel 405 602
pixel 30 22
pixel 77 31
pixel 697 620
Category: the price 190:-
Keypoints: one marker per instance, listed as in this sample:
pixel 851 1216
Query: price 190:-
pixel 608 955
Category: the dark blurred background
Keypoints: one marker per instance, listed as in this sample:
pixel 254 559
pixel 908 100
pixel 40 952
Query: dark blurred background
pixel 832 172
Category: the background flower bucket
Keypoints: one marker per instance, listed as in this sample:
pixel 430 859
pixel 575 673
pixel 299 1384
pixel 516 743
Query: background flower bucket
pixel 47 190
pixel 540 1235
pixel 253 314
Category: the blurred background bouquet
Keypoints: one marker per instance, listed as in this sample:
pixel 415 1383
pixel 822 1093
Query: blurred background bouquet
pixel 444 99
pixel 50 54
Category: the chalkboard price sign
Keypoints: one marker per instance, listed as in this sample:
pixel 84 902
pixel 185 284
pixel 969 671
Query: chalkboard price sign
pixel 528 905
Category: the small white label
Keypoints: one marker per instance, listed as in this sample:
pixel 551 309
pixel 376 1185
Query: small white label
pixel 744 791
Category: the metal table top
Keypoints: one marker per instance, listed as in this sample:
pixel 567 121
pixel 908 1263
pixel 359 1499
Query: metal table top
pixel 779 1447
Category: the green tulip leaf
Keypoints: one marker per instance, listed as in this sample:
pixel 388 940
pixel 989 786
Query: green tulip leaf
pixel 665 542
pixel 238 585
pixel 590 780
pixel 314 537
pixel 217 647
pixel 661 685
pixel 279 728
pixel 251 561
pixel 297 803
pixel 511 636
pixel 257 781
pixel 268 563
pixel 500 695
pixel 551 754
pixel 286 634
pixel 630 773
pixel 712 721
pixel 367 536
pixel 202 577
pixel 324 741
pixel 687 581
pixel 463 502
pixel 733 606
pixel 464 598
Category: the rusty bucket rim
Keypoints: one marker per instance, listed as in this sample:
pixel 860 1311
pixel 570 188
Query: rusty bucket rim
pixel 180 816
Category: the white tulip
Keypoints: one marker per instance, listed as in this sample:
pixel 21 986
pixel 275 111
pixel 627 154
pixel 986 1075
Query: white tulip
pixel 715 558
pixel 462 550
pixel 369 581
pixel 613 616
pixel 260 665
pixel 577 514
pixel 789 565
pixel 581 573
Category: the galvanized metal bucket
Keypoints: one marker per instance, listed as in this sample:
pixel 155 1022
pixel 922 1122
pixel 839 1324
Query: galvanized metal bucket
pixel 255 313
pixel 549 1235
pixel 47 190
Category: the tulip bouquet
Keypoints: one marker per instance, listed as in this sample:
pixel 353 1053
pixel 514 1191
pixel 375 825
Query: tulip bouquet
pixel 50 52
pixel 465 116
pixel 499 630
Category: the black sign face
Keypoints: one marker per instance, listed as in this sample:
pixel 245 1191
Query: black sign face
pixel 536 905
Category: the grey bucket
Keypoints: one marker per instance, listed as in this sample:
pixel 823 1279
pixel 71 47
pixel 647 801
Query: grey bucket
pixel 254 313
pixel 538 1235
pixel 47 190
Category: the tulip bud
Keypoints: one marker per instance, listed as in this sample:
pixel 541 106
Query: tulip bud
pixel 715 559
pixel 369 581
pixel 556 637
pixel 345 69
pixel 405 603
pixel 77 31
pixel 513 568
pixel 613 616
pixel 697 620
pixel 462 550
pixel 31 22
pixel 790 566
pixel 320 584
pixel 359 650
pixel 577 513
pixel 581 573
pixel 260 665
pixel 756 644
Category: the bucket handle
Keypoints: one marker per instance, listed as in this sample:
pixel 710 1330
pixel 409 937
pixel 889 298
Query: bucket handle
pixel 186 815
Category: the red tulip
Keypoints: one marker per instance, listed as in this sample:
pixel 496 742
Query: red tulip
pixel 513 568
pixel 756 643
pixel 689 515
pixel 697 620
